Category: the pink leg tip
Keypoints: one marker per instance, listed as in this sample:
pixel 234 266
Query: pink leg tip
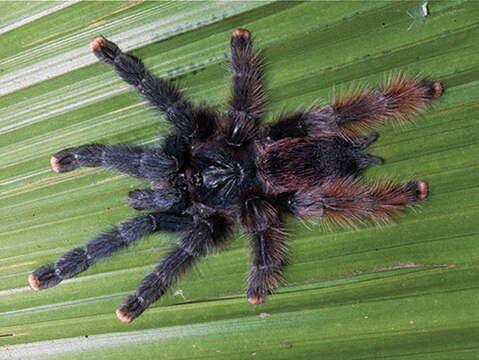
pixel 438 89
pixel 55 164
pixel 241 33
pixel 34 282
pixel 97 43
pixel 256 300
pixel 423 189
pixel 123 316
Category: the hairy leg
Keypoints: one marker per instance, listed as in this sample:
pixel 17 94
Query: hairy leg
pixel 191 121
pixel 399 100
pixel 300 124
pixel 206 234
pixel 152 164
pixel 268 241
pixel 169 199
pixel 346 201
pixel 80 259
pixel 247 93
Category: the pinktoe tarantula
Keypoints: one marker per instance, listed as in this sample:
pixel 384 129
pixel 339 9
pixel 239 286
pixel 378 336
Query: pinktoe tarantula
pixel 216 169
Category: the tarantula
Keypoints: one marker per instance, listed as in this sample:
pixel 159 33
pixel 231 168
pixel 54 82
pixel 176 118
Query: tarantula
pixel 215 169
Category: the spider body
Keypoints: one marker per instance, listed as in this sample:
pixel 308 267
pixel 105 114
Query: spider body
pixel 221 176
pixel 217 169
pixel 291 164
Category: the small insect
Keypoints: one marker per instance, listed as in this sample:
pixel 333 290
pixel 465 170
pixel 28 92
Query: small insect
pixel 216 169
pixel 418 14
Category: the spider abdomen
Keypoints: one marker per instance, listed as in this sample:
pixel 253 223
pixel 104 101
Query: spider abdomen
pixel 294 163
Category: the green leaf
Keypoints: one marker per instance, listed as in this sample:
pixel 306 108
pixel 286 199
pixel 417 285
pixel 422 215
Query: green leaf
pixel 407 290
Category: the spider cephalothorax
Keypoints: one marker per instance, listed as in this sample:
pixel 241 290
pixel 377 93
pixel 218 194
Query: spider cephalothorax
pixel 217 169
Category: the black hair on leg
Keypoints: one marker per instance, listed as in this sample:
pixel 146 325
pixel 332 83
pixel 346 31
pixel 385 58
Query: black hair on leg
pixel 247 92
pixel 300 124
pixel 152 164
pixel 208 233
pixel 168 198
pixel 80 259
pixel 160 93
pixel 268 242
